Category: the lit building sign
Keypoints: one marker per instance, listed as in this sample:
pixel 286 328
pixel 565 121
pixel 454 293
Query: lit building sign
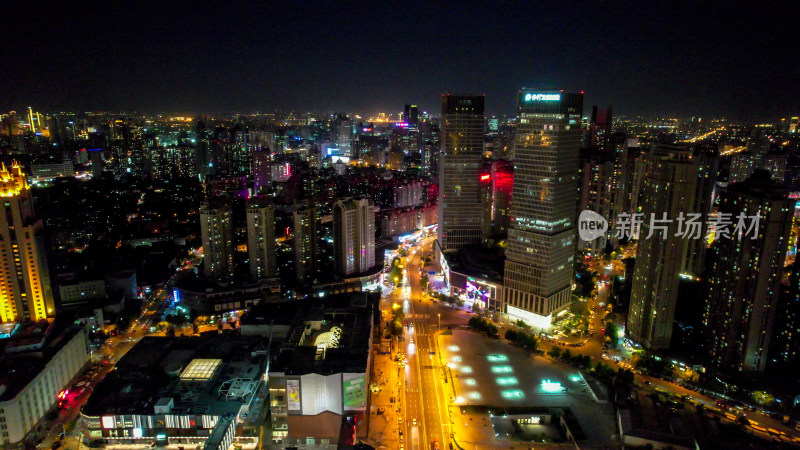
pixel 529 97
pixel 551 386
pixel 108 422
pixel 485 177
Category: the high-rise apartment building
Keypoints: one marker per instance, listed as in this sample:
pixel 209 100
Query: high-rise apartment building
pixel 25 291
pixel 216 230
pixel 306 236
pixel 742 166
pixel 541 238
pixel 460 171
pixel 262 170
pixel 745 281
pixel 596 172
pixel 353 236
pixel 626 192
pixel 674 188
pixel 600 129
pixel 261 239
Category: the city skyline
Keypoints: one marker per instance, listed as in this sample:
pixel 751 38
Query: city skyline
pixel 428 226
pixel 677 60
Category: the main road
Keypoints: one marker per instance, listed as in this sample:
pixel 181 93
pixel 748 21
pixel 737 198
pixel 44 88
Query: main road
pixel 427 392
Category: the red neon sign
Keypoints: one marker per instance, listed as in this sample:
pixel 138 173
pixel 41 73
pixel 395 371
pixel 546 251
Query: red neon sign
pixel 485 177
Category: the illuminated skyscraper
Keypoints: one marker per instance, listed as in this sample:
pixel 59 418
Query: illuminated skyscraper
pixel 746 277
pixel 502 186
pixel 353 236
pixel 344 137
pixel 216 229
pixel 261 239
pixel 25 293
pixel 460 171
pixel 541 238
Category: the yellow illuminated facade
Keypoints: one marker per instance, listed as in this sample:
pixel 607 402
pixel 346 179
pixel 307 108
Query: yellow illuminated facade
pixel 24 281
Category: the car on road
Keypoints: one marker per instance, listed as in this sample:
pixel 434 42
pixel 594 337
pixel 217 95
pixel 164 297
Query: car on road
pixel 435 444
pixel 414 421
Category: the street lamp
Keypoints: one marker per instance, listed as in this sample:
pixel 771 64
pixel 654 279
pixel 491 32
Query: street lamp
pixel 439 325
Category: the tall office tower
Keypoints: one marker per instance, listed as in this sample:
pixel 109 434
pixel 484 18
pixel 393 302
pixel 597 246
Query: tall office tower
pixel 746 278
pixel 486 199
pixel 600 129
pixel 596 172
pixel 261 239
pixel 216 230
pixel 411 115
pixel 541 239
pixel 34 120
pixel 205 160
pixel 674 186
pixel 25 292
pixel 460 170
pixel 429 137
pixel 411 137
pixel 502 185
pixel 262 170
pixel 306 235
pixel 344 137
pixel 353 236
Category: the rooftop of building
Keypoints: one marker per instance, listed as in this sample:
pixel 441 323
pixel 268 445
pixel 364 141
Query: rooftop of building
pixel 649 419
pixel 29 350
pixel 761 184
pixel 327 335
pixel 478 261
pixel 195 372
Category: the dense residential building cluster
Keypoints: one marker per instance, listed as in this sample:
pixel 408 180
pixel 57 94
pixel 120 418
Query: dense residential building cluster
pixel 282 228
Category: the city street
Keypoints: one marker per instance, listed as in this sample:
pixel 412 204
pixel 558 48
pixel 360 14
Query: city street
pixel 424 387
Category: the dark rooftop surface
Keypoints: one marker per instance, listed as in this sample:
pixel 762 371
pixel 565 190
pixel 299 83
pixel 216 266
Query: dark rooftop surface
pixel 354 313
pixel 149 372
pixel 478 261
pixel 18 367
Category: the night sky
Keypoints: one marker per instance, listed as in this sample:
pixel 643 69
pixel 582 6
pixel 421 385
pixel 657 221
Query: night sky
pixel 643 57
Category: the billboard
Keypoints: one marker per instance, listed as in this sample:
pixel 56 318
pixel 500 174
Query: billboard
pixel 354 391
pixel 293 395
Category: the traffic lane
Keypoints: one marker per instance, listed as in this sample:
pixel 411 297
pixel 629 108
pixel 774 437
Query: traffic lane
pixel 413 385
pixel 431 376
pixel 432 423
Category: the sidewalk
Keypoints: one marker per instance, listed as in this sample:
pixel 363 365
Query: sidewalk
pixel 383 424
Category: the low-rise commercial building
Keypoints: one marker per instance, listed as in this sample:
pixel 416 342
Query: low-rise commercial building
pixel 319 380
pixel 38 362
pixel 207 390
